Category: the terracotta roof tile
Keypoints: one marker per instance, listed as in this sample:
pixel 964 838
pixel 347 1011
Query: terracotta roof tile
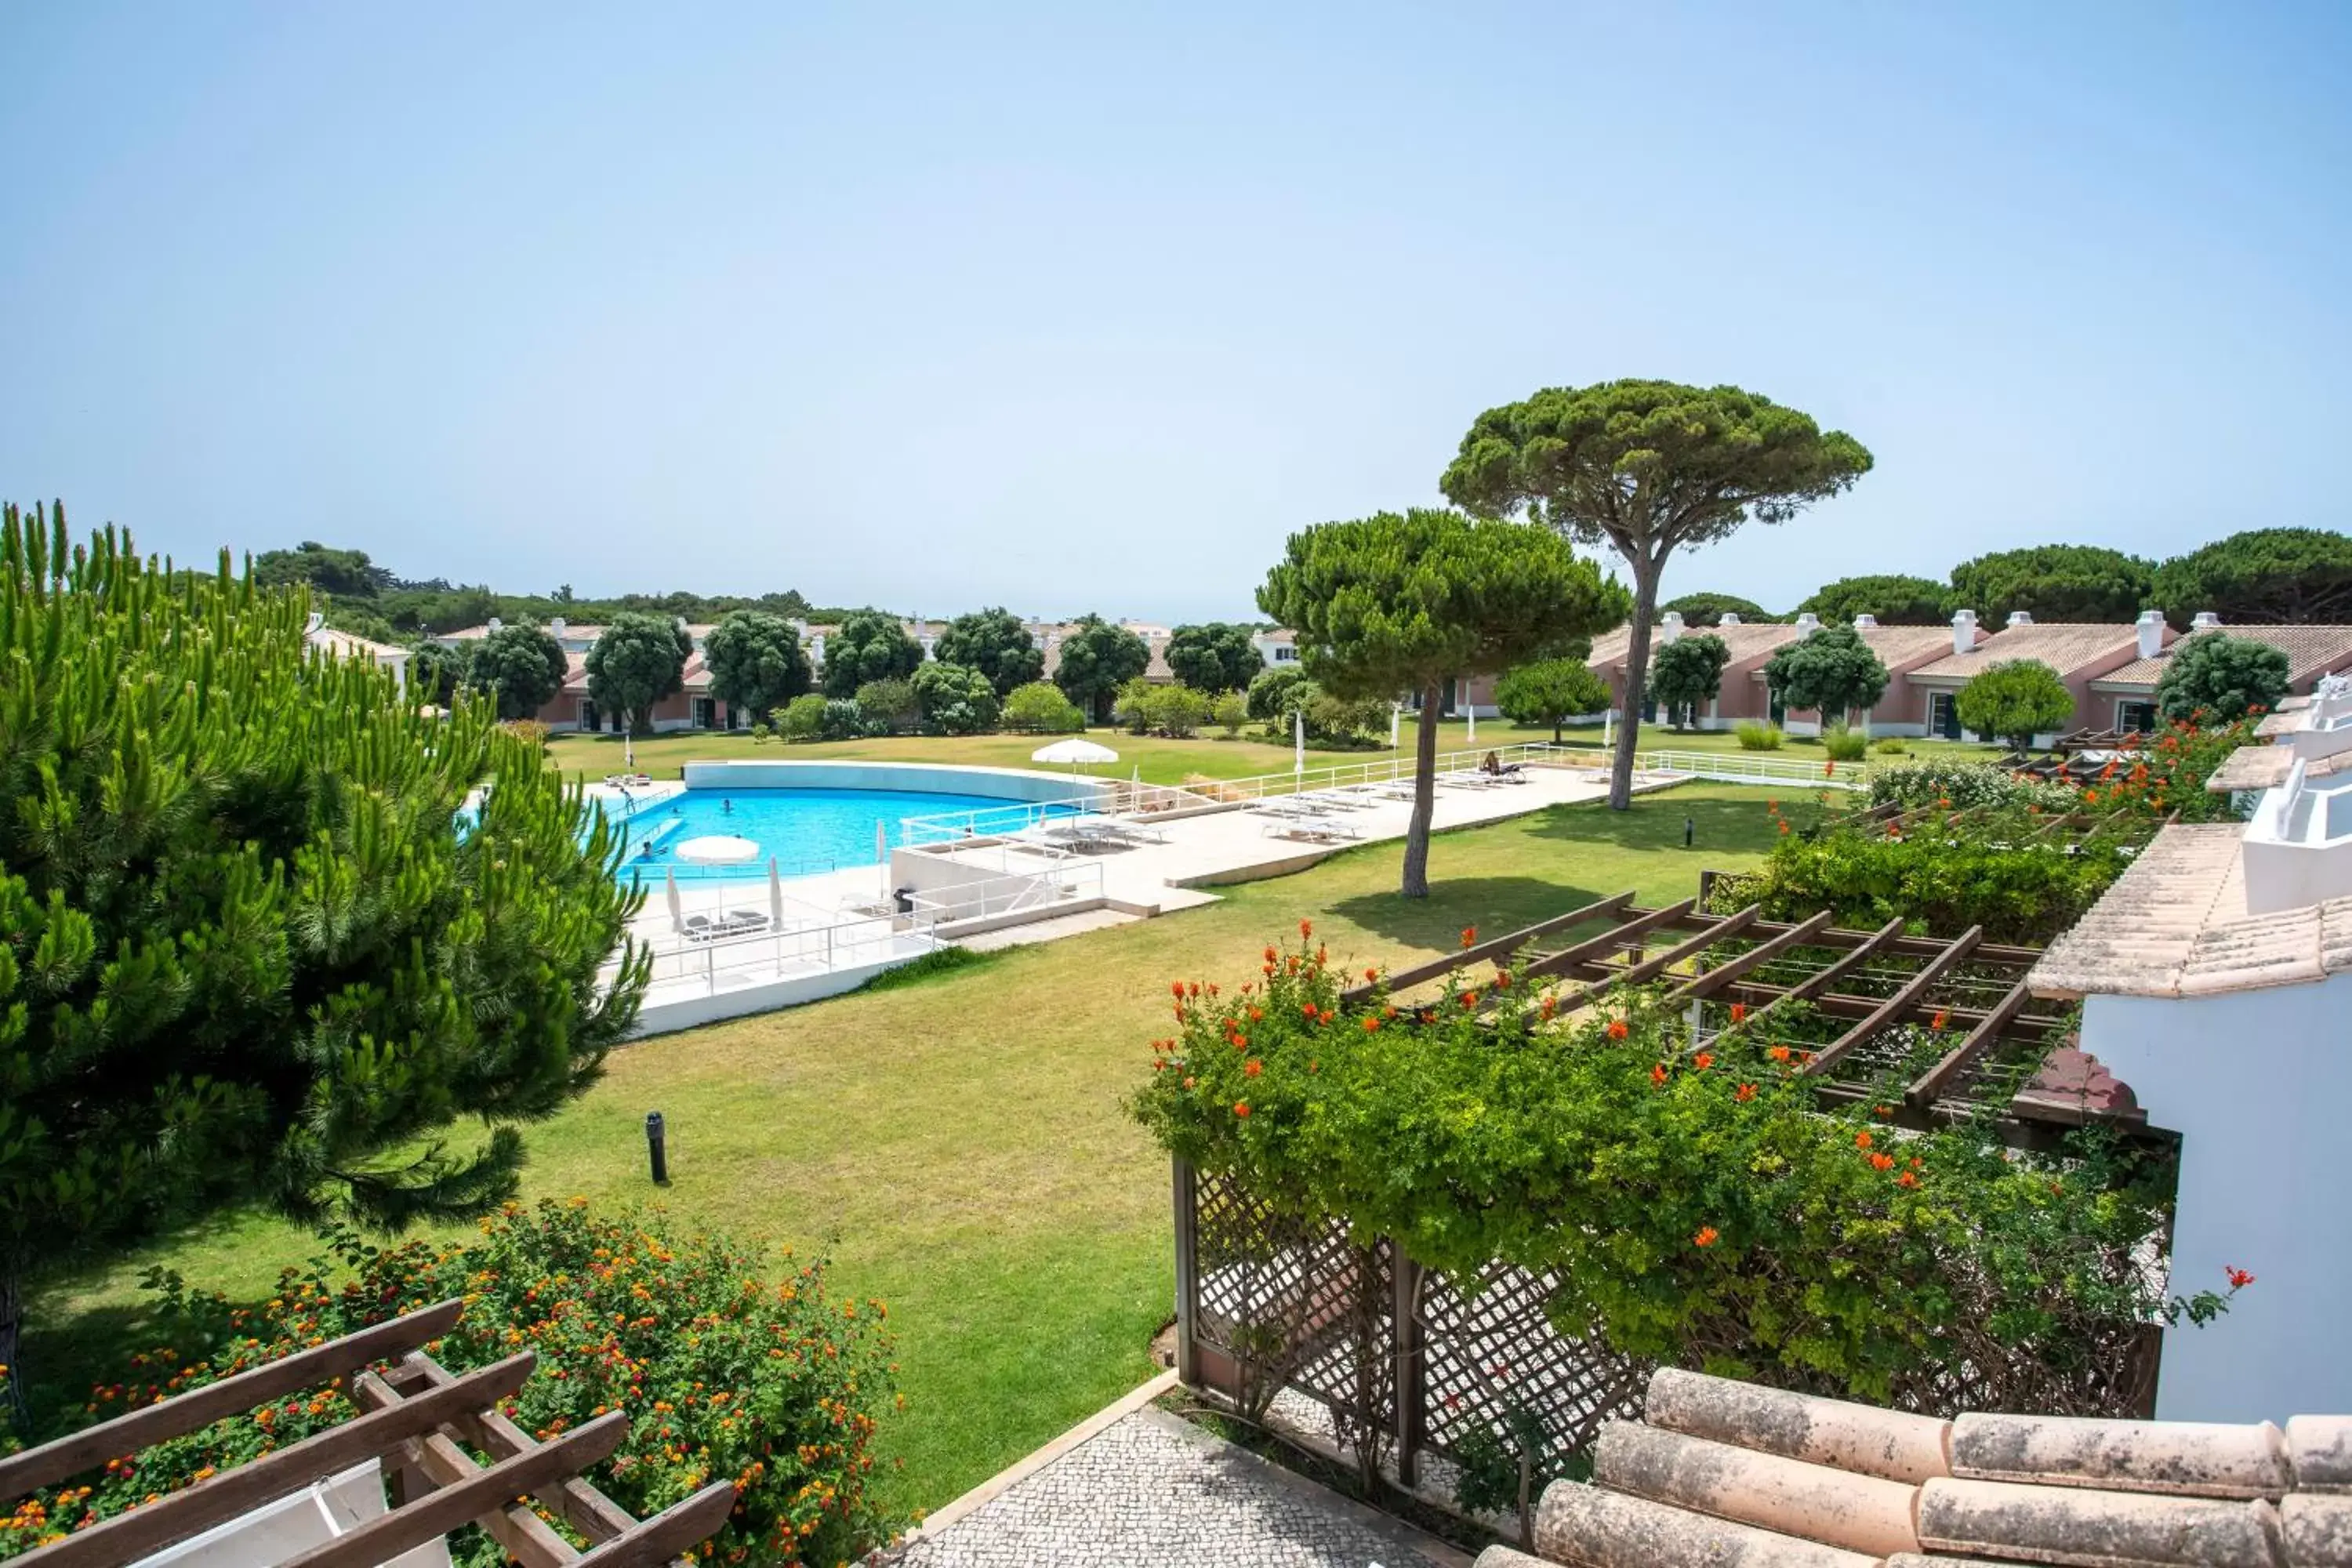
pixel 1750 640
pixel 2311 652
pixel 2265 767
pixel 2063 645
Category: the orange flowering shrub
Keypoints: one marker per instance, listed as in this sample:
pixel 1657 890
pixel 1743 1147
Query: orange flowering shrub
pixel 1693 1199
pixel 774 1385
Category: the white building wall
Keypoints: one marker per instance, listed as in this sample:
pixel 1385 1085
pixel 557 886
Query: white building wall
pixel 2257 1083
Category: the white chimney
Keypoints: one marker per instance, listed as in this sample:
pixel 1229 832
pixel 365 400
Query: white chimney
pixel 1809 623
pixel 555 627
pixel 1670 628
pixel 1865 622
pixel 1730 618
pixel 1964 630
pixel 2150 627
pixel 2021 617
pixel 497 625
pixel 2205 621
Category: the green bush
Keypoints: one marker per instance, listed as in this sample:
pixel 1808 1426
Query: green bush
pixel 777 1387
pixel 2015 700
pixel 843 720
pixel 1230 712
pixel 1271 695
pixel 1040 709
pixel 1701 1208
pixel 802 718
pixel 1755 735
pixel 1890 746
pixel 1175 711
pixel 955 700
pixel 1843 744
pixel 2216 679
pixel 888 707
pixel 1344 722
pixel 1957 785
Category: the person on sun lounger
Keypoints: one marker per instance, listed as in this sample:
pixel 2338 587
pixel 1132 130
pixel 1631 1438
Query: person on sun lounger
pixel 1494 767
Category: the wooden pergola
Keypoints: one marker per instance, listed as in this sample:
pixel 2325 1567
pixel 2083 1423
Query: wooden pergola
pixel 418 1421
pixel 1932 1027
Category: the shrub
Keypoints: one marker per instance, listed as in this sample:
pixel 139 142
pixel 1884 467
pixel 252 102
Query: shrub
pixel 2167 777
pixel 1345 724
pixel 1176 711
pixel 1962 786
pixel 1754 735
pixel 529 732
pixel 2218 678
pixel 1700 1209
pixel 888 706
pixel 1890 746
pixel 1040 709
pixel 1230 712
pixel 955 700
pixel 2016 702
pixel 802 718
pixel 1271 695
pixel 1844 744
pixel 843 720
pixel 778 1387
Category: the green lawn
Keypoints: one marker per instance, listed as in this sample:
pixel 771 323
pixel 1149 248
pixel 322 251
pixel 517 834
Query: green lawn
pixel 1161 761
pixel 958 1145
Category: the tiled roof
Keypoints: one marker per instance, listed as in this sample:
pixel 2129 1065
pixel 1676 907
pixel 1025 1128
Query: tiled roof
pixel 2265 767
pixel 2177 924
pixel 2311 652
pixel 1750 640
pixel 1899 648
pixel 2064 646
pixel 1728 1473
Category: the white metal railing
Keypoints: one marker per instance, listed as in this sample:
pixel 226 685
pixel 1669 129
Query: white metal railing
pixel 1384 769
pixel 1040 890
pixel 1753 767
pixel 1111 798
pixel 779 952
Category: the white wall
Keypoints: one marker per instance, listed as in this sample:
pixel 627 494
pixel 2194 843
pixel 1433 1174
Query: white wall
pixel 1009 784
pixel 2257 1083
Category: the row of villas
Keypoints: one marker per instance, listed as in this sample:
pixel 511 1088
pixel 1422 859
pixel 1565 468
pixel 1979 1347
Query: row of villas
pixel 2109 670
pixel 695 707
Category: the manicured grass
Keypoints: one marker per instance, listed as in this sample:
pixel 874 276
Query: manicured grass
pixel 959 1144
pixel 1161 761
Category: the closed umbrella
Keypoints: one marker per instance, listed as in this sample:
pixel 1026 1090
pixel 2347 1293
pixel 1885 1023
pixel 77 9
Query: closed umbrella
pixel 775 894
pixel 676 915
pixel 882 855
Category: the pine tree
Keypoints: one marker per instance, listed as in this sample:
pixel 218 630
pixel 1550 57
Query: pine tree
pixel 252 949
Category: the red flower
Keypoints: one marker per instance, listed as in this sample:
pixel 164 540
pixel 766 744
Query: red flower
pixel 1881 1162
pixel 2091 798
pixel 1658 1073
pixel 1907 1179
pixel 1943 1016
pixel 1371 973
pixel 1778 1053
pixel 1306 927
pixel 1862 1139
pixel 1502 980
pixel 1772 806
pixel 1308 1010
pixel 1196 988
pixel 1176 989
pixel 1706 1237
pixel 1255 1014
pixel 1371 1025
pixel 1747 1092
pixel 1882 1109
pixel 1739 1013
pixel 1784 826
pixel 1617 1029
pixel 1269 953
pixel 1469 936
pixel 1703 1061
pixel 1469 998
pixel 1828 769
pixel 2239 1279
pixel 1241 1108
pixel 1252 1067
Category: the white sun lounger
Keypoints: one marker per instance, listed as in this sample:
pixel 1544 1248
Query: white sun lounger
pixel 1320 829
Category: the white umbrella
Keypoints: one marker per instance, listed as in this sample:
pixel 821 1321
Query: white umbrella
pixel 775 896
pixel 1075 750
pixel 1298 743
pixel 676 915
pixel 717 849
pixel 882 854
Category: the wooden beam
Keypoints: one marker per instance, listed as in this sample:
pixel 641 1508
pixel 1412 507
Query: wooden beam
pixel 438 1512
pixel 200 1408
pixel 1884 936
pixel 521 1532
pixel 1764 952
pixel 1501 946
pixel 1929 1086
pixel 192 1510
pixel 1649 968
pixel 1895 1007
pixel 668 1532
pixel 1642 925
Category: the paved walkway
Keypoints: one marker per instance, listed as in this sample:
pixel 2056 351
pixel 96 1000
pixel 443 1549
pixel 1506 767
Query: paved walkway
pixel 1152 1490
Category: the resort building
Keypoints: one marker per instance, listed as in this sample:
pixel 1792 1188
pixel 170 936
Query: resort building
pixel 336 644
pixel 2125 698
pixel 1746 696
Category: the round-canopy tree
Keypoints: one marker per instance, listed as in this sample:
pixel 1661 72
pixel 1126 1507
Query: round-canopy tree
pixel 1549 691
pixel 1686 672
pixel 1403 602
pixel 1213 657
pixel 995 643
pixel 2054 583
pixel 1895 600
pixel 2016 700
pixel 246 954
pixel 522 668
pixel 2215 678
pixel 2266 577
pixel 1708 609
pixel 1648 466
pixel 1828 672
pixel 868 645
pixel 955 700
pixel 1098 659
pixel 756 663
pixel 637 661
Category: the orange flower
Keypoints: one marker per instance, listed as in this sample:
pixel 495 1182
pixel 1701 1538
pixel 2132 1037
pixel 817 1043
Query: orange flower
pixel 1784 828
pixel 1502 980
pixel 2090 797
pixel 1658 1073
pixel 1252 1067
pixel 1881 1162
pixel 1314 1065
pixel 2239 1279
pixel 1703 1061
pixel 1747 1092
pixel 1306 927
pixel 1371 973
pixel 1189 1082
pixel 1772 806
pixel 1943 1016
pixel 1617 1029
pixel 1269 952
pixel 1308 1009
pixel 1371 1025
pixel 1778 1053
pixel 1706 1237
pixel 1176 989
pixel 1881 1110
pixel 1241 1108
pixel 1862 1139
pixel 1907 1179
pixel 1944 801
pixel 1469 998
pixel 1828 769
pixel 1739 1013
pixel 1469 936
pixel 1255 1014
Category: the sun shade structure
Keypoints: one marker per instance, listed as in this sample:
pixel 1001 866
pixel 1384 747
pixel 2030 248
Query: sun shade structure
pixel 1726 1472
pixel 423 1424
pixel 1950 1020
pixel 1073 753
pixel 717 849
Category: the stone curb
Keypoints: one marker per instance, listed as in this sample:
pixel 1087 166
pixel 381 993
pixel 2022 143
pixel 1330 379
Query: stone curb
pixel 1021 1470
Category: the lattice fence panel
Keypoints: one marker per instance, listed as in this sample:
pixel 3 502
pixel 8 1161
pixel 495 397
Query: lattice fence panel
pixel 1490 1352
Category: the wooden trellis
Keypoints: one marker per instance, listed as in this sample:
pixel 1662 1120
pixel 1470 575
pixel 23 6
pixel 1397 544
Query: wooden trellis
pixel 417 1420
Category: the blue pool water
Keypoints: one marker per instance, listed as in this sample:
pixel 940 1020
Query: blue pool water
pixel 806 830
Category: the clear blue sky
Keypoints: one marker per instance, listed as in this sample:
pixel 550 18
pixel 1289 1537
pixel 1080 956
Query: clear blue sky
pixel 1087 307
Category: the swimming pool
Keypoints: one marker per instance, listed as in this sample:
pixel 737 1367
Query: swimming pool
pixel 803 830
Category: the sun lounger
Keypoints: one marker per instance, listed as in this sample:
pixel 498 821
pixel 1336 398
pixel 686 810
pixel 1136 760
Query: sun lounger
pixel 1317 829
pixel 1468 778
